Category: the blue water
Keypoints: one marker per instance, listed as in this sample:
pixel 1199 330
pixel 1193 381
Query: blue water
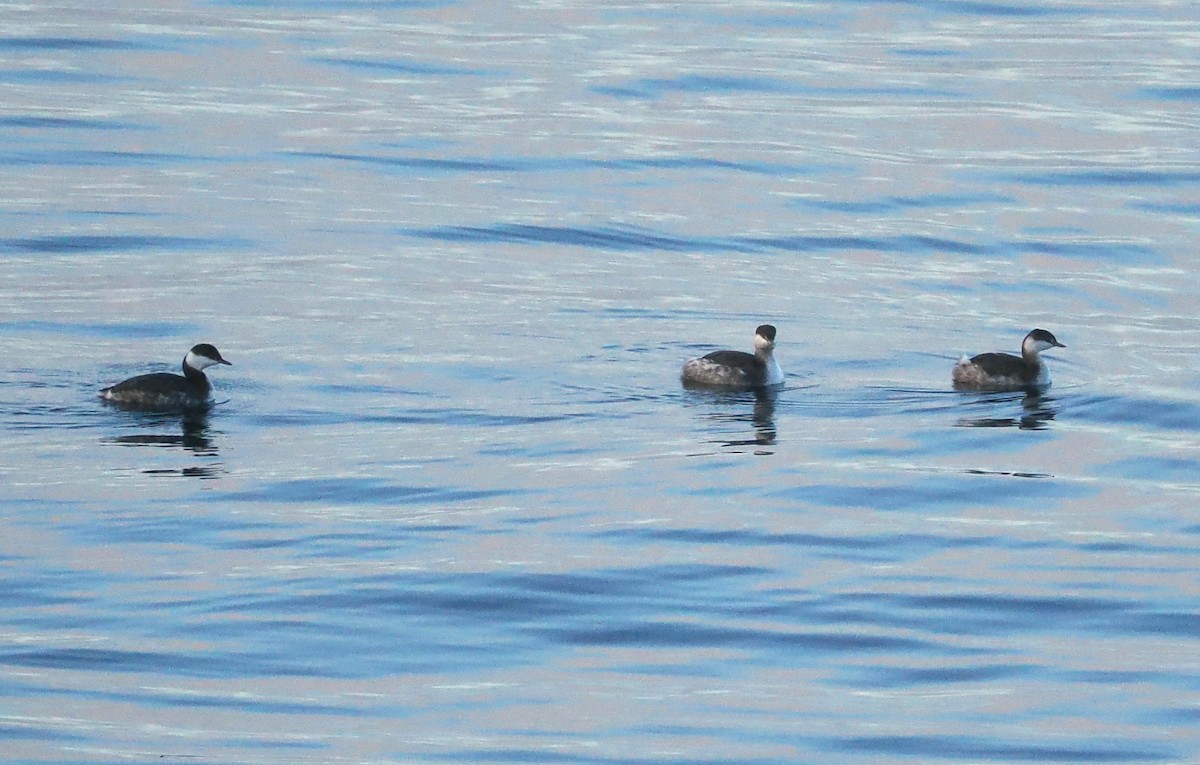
pixel 453 505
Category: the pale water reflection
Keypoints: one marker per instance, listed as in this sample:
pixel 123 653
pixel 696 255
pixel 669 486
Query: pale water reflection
pixel 456 507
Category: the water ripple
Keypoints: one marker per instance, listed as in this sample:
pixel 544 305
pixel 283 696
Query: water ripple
pixel 1109 177
pixel 637 238
pixel 96 158
pixel 67 44
pixel 615 237
pixel 38 122
pixel 116 243
pixel 356 491
pixel 403 67
pixel 979 748
pixel 460 508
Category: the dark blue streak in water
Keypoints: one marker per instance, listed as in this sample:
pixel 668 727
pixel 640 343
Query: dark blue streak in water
pixel 101 660
pixel 117 330
pixel 927 52
pixel 613 238
pixel 904 244
pixel 511 755
pixel 30 733
pixel 306 418
pixel 982 8
pixel 522 598
pixel 424 163
pixel 1172 208
pixel 887 676
pixel 1162 414
pixel 673 633
pixel 325 5
pixel 355 492
pixel 528 165
pixel 83 158
pixel 1189 93
pixel 403 67
pixel 1157 469
pixel 471 417
pixel 894 203
pixel 58 245
pixel 268 659
pixel 60 123
pixel 48 589
pixel 164 529
pixel 976 748
pixel 893 544
pixel 57 77
pixel 997 615
pixel 664 606
pixel 540 756
pixel 1105 178
pixel 696 163
pixel 937 491
pixel 165 698
pixel 619 237
pixel 1033 611
pixel 1115 251
pixel 65 43
pixel 827 243
pixel 655 88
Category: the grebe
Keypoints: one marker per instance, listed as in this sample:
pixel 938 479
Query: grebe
pixel 1003 371
pixel 163 390
pixel 735 369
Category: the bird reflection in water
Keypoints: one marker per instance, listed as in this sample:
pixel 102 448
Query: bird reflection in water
pixel 194 438
pixel 1037 412
pixel 755 408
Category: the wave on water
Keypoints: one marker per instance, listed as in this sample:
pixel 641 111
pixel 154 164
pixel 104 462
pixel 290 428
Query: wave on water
pixel 98 243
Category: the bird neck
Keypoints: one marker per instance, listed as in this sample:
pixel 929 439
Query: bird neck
pixel 195 376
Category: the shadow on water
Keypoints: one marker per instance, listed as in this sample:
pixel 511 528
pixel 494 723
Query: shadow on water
pixel 194 437
pixel 751 413
pixel 1037 410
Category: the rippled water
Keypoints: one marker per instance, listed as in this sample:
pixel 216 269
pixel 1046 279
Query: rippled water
pixel 453 505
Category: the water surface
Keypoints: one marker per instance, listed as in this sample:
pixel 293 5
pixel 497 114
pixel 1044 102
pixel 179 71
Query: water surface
pixel 452 504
